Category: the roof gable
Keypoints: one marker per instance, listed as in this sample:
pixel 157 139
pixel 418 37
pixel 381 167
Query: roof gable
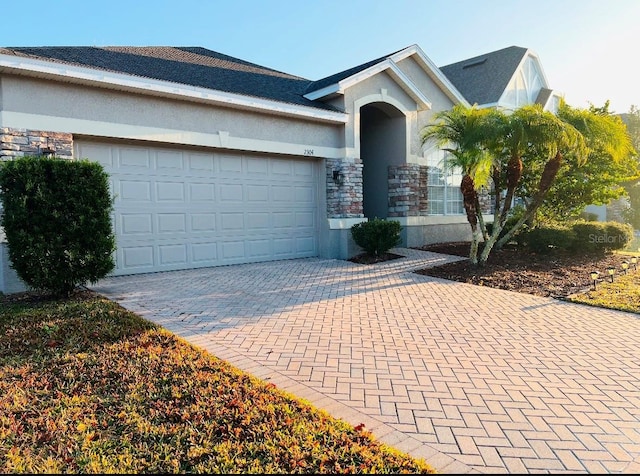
pixel 337 83
pixel 483 79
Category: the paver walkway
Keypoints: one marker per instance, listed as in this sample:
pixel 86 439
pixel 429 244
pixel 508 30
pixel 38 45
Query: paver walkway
pixel 473 379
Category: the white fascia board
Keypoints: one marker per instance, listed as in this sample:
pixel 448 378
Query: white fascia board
pixel 409 87
pixel 397 75
pixel 340 86
pixel 72 73
pixel 432 71
pixel 320 93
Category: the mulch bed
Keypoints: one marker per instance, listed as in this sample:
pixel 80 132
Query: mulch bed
pixel 555 274
pixel 365 258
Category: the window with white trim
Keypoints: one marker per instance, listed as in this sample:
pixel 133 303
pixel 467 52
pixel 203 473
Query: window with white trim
pixel 443 182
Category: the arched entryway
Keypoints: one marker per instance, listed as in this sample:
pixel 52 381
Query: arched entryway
pixel 382 143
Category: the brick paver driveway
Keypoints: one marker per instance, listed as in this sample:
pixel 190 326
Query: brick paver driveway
pixel 474 380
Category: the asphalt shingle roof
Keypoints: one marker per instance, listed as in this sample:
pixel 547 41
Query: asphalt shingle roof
pixel 484 78
pixel 480 80
pixel 191 66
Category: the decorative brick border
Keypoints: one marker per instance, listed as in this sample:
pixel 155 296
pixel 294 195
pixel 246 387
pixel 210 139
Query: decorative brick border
pixel 21 142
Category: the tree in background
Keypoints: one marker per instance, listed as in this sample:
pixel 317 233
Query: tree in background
pixel 632 214
pixel 611 163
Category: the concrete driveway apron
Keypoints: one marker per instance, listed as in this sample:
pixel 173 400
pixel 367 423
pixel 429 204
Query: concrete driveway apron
pixel 473 379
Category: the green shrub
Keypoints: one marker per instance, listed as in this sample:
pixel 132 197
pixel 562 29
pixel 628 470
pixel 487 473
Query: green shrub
pixel 376 236
pixel 619 235
pixel 588 235
pixel 602 236
pixel 57 222
pixel 546 238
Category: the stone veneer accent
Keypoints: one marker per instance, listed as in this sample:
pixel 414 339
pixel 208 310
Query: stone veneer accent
pixel 21 142
pixel 344 200
pixel 407 190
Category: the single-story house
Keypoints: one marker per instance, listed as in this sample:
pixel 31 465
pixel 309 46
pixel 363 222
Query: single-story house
pixel 214 160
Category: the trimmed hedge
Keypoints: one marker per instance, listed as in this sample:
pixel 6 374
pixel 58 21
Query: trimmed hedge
pixel 580 237
pixel 546 238
pixel 57 222
pixel 376 236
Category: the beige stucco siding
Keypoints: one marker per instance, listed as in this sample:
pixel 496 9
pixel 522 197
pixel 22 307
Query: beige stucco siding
pixel 28 98
pixel 378 88
pixel 439 100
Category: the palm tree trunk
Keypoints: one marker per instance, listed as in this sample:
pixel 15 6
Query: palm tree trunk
pixel 514 174
pixel 546 180
pixel 469 200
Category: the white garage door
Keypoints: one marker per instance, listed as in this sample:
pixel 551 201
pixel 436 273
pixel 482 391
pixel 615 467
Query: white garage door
pixel 179 209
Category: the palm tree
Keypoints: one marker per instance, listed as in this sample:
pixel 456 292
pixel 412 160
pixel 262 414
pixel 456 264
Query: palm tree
pixel 535 134
pixel 463 133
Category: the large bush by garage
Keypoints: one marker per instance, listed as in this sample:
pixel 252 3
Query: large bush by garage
pixel 57 220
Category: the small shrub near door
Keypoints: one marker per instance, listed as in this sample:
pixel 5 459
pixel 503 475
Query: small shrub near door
pixel 376 236
pixel 57 222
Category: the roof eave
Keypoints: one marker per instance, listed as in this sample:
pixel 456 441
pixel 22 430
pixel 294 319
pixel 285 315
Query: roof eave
pixel 389 65
pixel 123 82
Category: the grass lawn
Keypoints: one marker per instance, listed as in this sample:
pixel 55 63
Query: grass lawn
pixel 87 387
pixel 623 293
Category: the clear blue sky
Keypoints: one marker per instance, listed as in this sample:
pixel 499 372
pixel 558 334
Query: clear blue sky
pixel 589 49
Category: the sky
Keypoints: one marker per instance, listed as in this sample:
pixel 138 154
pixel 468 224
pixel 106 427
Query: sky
pixel 588 49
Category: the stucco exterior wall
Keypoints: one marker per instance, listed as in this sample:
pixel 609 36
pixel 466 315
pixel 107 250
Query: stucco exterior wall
pixel 379 88
pixel 56 106
pixel 439 100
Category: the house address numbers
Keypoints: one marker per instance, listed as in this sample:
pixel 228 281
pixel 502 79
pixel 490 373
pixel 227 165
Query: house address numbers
pixel 309 152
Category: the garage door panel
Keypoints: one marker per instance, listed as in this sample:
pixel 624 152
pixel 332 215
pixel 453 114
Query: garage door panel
pixel 233 250
pixel 204 254
pixel 137 257
pixel 231 192
pixel 304 195
pixel 134 159
pixel 231 222
pixel 170 191
pixel 202 222
pixel 282 247
pixel 303 169
pixel 282 167
pixel 259 167
pixel 170 162
pixel 282 193
pixel 201 164
pixel 259 221
pixel 258 193
pixel 283 220
pixel 172 223
pixel 202 192
pixel 136 224
pixel 259 248
pixel 180 209
pixel 134 190
pixel 230 165
pixel 98 153
pixel 172 254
